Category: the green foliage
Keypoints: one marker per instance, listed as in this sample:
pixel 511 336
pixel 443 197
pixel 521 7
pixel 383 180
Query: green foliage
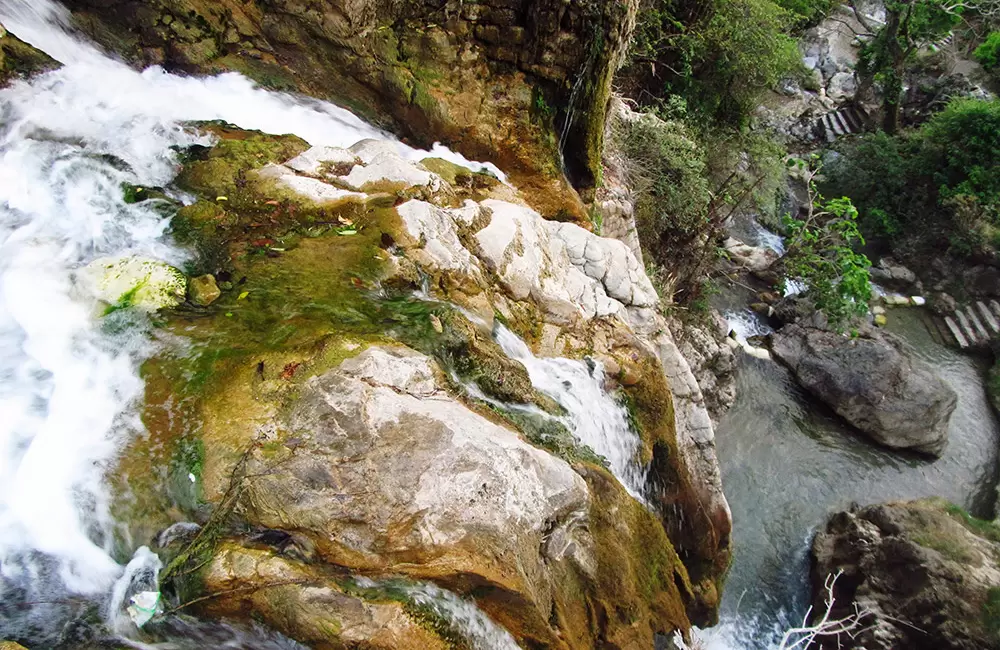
pixel 821 254
pixel 988 54
pixel 742 51
pixel 939 185
pixel 669 172
pixel 719 56
pixel 808 12
pixel 991 612
pixel 909 24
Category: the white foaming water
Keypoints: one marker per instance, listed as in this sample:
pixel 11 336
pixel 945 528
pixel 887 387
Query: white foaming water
pixel 747 323
pixel 593 417
pixel 69 384
pixel 768 239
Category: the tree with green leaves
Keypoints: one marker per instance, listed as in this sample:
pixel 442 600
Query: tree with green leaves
pixel 909 25
pixel 820 254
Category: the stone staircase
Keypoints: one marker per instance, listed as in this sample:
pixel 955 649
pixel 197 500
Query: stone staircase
pixel 846 120
pixel 972 326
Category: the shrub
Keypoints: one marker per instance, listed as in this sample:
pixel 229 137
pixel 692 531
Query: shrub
pixel 808 12
pixel 719 55
pixel 988 54
pixel 939 185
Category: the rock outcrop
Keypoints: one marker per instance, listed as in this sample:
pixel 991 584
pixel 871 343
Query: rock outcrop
pixel 350 408
pixel 872 382
pixel 490 79
pixel 925 574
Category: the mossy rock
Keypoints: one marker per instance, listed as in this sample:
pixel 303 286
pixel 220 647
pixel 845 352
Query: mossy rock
pixel 18 60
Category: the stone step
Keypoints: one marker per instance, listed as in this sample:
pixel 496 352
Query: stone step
pixel 956 332
pixel 967 330
pixel 988 317
pixel 978 324
pixel 995 306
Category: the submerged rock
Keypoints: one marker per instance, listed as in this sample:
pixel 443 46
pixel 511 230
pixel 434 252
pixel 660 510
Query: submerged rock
pixel 925 573
pixel 872 382
pixel 203 290
pixel 135 282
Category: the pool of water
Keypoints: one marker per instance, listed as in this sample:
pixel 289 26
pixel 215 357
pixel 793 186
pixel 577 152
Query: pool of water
pixel 788 463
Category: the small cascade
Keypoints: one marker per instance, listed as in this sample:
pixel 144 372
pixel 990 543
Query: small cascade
pixel 592 415
pixel 463 615
pixel 129 595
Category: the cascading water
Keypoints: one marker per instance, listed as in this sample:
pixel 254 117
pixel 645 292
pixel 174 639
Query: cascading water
pixel 69 381
pixel 478 630
pixel 593 416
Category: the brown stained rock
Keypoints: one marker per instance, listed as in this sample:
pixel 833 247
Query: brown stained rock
pixel 925 572
pixel 203 290
pixel 386 473
pixel 295 600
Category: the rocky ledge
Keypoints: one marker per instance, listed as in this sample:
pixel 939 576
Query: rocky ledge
pixel 925 575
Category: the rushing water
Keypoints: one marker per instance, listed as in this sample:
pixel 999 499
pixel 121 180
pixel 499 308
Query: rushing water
pixel 69 381
pixel 788 463
pixel 592 415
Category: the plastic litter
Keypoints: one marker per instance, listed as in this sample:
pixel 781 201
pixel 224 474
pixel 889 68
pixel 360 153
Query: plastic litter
pixel 145 605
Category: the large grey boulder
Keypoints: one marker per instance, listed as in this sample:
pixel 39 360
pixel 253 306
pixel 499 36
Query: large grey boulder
pixel 924 574
pixel 873 383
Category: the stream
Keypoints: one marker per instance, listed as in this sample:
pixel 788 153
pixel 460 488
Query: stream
pixel 788 462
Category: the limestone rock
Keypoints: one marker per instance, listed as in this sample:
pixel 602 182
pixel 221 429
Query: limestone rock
pixel 435 232
pixel 309 188
pixel 136 282
pixel 384 170
pixel 873 383
pixel 927 574
pixel 203 290
pixel 312 609
pixel 317 160
pixel 568 271
pixel 751 258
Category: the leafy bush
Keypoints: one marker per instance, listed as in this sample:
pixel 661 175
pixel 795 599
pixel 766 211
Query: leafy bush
pixel 719 55
pixel 808 12
pixel 667 168
pixel 988 54
pixel 821 255
pixel 939 185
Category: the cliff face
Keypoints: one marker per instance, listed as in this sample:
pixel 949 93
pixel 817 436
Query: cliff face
pixel 513 81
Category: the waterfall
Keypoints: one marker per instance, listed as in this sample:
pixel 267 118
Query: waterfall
pixel 69 384
pixel 592 415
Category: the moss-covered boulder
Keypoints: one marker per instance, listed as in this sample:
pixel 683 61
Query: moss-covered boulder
pixel 925 574
pixel 324 398
pixel 18 60
pixel 525 85
pixel 134 282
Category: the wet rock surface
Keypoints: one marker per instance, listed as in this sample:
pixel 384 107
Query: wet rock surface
pixel 873 383
pixel 479 77
pixel 925 573
pixel 326 401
